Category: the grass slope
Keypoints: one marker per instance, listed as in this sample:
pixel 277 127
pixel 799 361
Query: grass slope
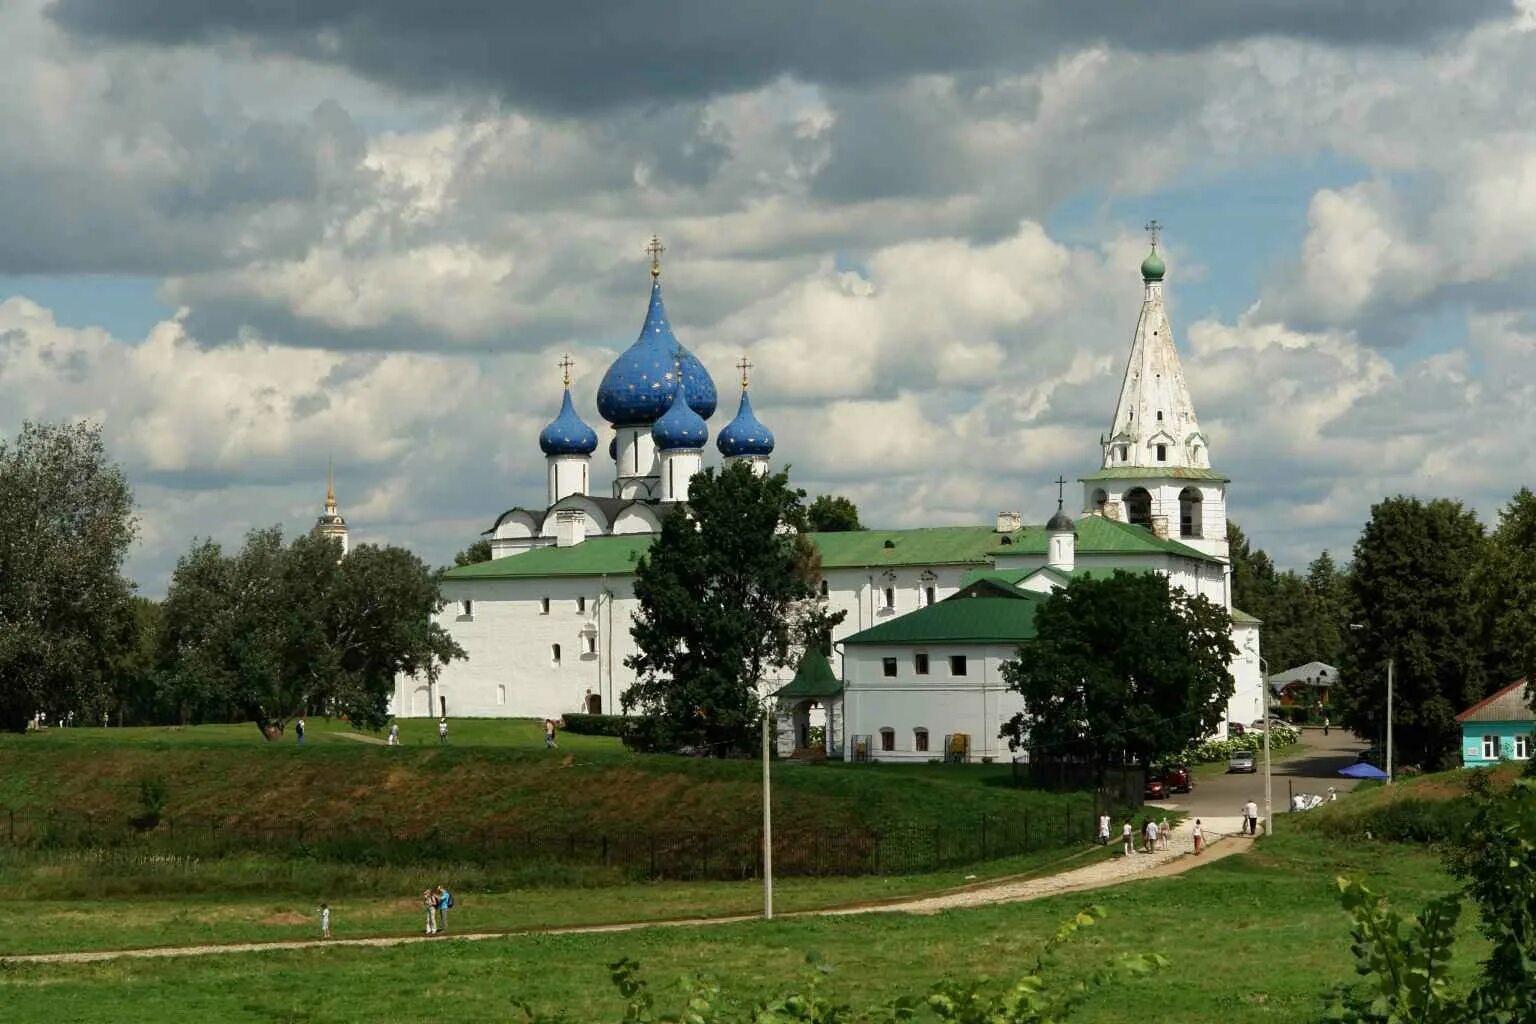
pixel 1255 938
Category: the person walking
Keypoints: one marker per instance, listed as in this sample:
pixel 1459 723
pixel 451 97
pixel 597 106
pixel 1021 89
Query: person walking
pixel 429 901
pixel 1199 837
pixel 1103 830
pixel 442 732
pixel 394 734
pixel 1162 833
pixel 549 735
pixel 1149 836
pixel 1126 840
pixel 1251 818
pixel 325 921
pixel 298 730
pixel 1325 725
pixel 444 903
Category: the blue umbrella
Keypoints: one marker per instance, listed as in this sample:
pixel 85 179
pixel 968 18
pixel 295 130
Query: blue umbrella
pixel 1363 770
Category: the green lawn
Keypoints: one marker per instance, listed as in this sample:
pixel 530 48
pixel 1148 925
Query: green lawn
pixel 1251 938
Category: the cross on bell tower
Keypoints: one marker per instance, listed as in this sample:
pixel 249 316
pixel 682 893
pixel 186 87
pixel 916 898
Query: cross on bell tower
pixel 565 364
pixel 744 365
pixel 1154 229
pixel 654 249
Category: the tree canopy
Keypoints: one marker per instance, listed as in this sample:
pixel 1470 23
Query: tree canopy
pixel 1504 587
pixel 276 631
pixel 66 520
pixel 479 551
pixel 1305 615
pixel 1150 665
pixel 727 593
pixel 1410 584
pixel 833 513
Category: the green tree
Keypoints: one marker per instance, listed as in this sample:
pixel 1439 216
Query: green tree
pixel 1253 574
pixel 131 691
pixel 1504 587
pixel 1328 586
pixel 66 520
pixel 727 592
pixel 833 513
pixel 479 551
pixel 1160 685
pixel 1410 583
pixel 276 631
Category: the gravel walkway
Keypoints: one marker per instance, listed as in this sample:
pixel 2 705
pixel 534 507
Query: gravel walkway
pixel 1222 839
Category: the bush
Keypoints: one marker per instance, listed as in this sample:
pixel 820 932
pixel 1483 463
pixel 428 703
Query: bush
pixel 595 725
pixel 1280 737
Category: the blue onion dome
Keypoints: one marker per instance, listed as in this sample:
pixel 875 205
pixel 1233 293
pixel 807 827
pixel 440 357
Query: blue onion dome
pixel 638 387
pixel 680 426
pixel 613 448
pixel 567 434
pixel 744 435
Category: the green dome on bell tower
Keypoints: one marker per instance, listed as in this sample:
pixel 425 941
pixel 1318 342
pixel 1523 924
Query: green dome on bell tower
pixel 1152 268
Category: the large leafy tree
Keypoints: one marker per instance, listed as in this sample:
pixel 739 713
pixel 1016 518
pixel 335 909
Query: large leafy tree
pixel 1305 615
pixel 1410 584
pixel 479 551
pixel 66 520
pixel 1504 587
pixel 274 631
pixel 833 513
pixel 727 593
pixel 1124 668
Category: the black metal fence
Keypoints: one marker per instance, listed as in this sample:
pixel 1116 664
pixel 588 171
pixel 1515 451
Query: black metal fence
pixel 903 848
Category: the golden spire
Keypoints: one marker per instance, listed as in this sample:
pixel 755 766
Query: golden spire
pixel 330 486
pixel 744 365
pixel 654 249
pixel 565 365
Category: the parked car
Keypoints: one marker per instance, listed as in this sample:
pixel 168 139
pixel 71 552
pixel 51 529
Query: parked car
pixel 1236 729
pixel 1175 778
pixel 1242 761
pixel 1155 789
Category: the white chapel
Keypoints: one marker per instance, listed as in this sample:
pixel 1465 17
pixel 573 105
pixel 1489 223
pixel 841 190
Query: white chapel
pixel 931 612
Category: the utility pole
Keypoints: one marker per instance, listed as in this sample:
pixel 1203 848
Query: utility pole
pixel 767 821
pixel 1269 811
pixel 1390 665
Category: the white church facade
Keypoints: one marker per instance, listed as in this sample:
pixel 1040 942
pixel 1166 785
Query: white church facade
pixel 546 622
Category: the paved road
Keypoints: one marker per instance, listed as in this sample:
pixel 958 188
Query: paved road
pixel 1310 771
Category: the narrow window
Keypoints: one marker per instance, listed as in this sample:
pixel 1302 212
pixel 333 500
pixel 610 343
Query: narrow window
pixel 1162 453
pixel 591 643
pixel 442 704
pixel 1159 415
pixel 1523 747
pixel 581 605
pixel 930 595
pixel 887 738
pixel 554 654
pixel 890 597
pixel 823 588
pixel 501 695
pixel 888 667
pixel 920 663
pixel 957 664
pixel 920 740
pixel 1490 748
pixel 467 609
pixel 543 606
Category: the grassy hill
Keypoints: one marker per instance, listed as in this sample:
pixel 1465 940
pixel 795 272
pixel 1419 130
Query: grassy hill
pixel 1423 808
pixel 495 780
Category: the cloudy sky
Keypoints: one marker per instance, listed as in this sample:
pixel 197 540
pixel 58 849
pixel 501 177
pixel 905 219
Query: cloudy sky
pixel 251 235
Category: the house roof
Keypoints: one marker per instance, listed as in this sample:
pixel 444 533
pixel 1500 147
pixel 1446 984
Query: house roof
pixel 986 612
pixel 1099 535
pixel 1156 473
pixel 813 677
pixel 1238 615
pixel 1511 704
pixel 1318 672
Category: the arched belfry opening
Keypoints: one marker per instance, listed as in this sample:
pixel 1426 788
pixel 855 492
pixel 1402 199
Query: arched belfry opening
pixel 1138 507
pixel 1190 522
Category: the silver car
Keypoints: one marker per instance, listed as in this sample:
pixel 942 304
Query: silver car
pixel 1242 761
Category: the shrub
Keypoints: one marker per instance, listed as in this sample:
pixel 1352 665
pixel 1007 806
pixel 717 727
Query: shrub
pixel 595 725
pixel 152 799
pixel 1280 737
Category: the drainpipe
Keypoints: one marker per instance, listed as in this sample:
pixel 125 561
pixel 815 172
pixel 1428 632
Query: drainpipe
pixel 607 643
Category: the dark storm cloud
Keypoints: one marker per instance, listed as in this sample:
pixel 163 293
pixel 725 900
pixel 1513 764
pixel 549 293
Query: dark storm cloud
pixel 584 54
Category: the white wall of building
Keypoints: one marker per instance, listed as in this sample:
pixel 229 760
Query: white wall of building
pixel 942 703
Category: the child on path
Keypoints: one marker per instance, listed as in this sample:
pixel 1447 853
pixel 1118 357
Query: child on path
pixel 1125 838
pixel 1162 833
pixel 429 900
pixel 394 734
pixel 549 735
pixel 442 731
pixel 1103 830
pixel 298 730
pixel 325 921
pixel 1199 835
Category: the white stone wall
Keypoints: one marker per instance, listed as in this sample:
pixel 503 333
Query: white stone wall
pixel 975 704
pixel 1248 689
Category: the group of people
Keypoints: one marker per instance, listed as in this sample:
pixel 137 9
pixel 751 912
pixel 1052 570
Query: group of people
pixel 437 902
pixel 1154 835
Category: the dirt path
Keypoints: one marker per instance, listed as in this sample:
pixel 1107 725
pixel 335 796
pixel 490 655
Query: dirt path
pixel 1221 836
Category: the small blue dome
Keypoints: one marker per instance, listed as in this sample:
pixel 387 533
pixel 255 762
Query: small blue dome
pixel 680 426
pixel 638 387
pixel 567 434
pixel 744 435
pixel 613 449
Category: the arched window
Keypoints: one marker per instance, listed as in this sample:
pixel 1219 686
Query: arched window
pixel 1190 524
pixel 1162 453
pixel 920 739
pixel 1138 507
pixel 1100 499
pixel 887 738
pixel 554 654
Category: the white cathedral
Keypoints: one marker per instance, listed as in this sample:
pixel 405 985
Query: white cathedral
pixel 931 612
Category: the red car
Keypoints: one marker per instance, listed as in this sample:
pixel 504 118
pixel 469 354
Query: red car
pixel 1155 790
pixel 1176 778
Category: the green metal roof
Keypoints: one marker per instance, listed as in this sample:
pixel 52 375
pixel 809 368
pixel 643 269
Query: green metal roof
pixel 596 556
pixel 813 677
pixel 1156 473
pixel 1097 535
pixel 934 545
pixel 961 619
pixel 1238 615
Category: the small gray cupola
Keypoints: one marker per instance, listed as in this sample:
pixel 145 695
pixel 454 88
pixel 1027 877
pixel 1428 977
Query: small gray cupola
pixel 1060 534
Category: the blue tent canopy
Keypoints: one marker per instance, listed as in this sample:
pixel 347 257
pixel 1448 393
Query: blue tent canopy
pixel 1362 770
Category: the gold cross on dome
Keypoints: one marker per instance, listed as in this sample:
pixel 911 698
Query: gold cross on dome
pixel 565 364
pixel 744 365
pixel 654 249
pixel 1154 229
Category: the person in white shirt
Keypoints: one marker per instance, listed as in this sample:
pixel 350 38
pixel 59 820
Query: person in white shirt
pixel 1149 833
pixel 442 731
pixel 1162 833
pixel 1126 838
pixel 1251 818
pixel 394 734
pixel 1199 836
pixel 325 921
pixel 1103 830
pixel 429 900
